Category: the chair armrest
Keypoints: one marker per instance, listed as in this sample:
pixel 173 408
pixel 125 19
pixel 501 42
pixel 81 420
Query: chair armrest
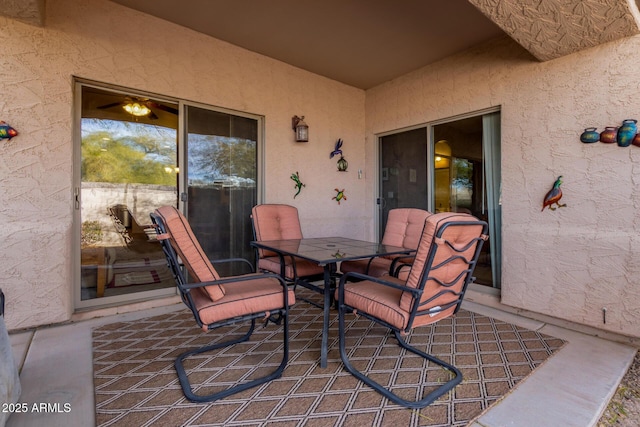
pixel 378 280
pixel 233 279
pixel 396 265
pixel 399 268
pixel 230 260
pixel 185 291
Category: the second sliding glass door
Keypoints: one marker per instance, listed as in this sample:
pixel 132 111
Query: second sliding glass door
pixel 452 166
pixel 221 172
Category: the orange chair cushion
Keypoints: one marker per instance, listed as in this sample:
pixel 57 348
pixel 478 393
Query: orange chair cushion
pixel 378 267
pixel 186 245
pixel 304 268
pixel 378 300
pixel 275 222
pixel 241 298
pixel 383 302
pixel 459 236
pixel 404 227
pixel 403 272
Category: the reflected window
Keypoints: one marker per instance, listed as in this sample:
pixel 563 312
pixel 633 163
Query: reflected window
pixel 128 167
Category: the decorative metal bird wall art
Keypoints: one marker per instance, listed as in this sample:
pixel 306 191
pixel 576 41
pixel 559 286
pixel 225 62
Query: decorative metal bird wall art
pixel 337 150
pixel 339 196
pixel 296 178
pixel 6 131
pixel 553 196
pixel 342 162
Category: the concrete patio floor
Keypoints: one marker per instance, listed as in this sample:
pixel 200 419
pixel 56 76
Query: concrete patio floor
pixel 572 388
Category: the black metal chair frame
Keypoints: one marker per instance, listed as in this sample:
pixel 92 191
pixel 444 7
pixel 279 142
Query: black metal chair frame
pixel 276 316
pixel 306 281
pixel 343 309
pixel 395 267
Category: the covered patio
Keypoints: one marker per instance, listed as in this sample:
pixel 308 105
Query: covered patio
pixel 548 71
pixel 571 388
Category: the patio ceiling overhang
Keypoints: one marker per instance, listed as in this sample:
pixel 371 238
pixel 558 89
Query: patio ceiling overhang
pixel 29 11
pixel 549 29
pixel 349 48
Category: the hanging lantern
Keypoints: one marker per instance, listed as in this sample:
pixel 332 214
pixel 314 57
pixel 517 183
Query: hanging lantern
pixel 342 164
pixel 301 129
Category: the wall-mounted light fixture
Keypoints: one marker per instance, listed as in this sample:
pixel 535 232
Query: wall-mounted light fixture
pixel 301 128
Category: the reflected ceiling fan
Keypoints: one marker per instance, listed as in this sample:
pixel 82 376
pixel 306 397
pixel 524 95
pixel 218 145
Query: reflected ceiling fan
pixel 140 107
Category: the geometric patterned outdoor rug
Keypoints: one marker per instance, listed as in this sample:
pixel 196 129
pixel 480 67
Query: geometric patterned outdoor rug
pixel 136 384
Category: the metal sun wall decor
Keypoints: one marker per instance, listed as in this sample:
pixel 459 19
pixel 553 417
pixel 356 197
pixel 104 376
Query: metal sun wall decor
pixel 339 196
pixel 342 162
pixel 296 178
pixel 6 131
pixel 624 135
pixel 553 196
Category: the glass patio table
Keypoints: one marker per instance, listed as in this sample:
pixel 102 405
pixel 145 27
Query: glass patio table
pixel 328 252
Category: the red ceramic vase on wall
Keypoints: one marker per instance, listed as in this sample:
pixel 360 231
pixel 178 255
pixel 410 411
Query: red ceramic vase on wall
pixel 609 135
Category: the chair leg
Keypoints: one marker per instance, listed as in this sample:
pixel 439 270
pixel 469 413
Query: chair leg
pixel 421 403
pixel 277 373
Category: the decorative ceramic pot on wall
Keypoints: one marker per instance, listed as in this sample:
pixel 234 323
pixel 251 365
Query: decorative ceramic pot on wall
pixel 636 140
pixel 609 135
pixel 590 135
pixel 627 132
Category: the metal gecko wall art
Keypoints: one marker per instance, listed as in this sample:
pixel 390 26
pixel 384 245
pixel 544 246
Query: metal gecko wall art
pixel 296 178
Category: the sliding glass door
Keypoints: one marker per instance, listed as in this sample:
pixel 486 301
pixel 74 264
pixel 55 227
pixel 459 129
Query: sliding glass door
pixel 403 183
pixel 136 152
pixel 127 166
pixel 222 152
pixel 466 178
pixel 450 166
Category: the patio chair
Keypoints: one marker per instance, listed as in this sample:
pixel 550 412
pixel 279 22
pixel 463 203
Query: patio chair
pixel 278 222
pixel 216 302
pixel 446 257
pixel 129 228
pixel 404 228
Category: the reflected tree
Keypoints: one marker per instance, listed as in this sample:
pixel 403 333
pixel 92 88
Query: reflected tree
pixel 213 157
pixel 126 159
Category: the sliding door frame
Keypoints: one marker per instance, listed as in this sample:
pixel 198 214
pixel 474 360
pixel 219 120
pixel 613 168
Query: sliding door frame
pixel 182 154
pixel 430 169
pixel 78 83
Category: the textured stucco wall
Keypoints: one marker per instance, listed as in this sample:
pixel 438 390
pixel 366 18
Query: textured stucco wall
pixel 572 262
pixel 103 41
pixel 569 263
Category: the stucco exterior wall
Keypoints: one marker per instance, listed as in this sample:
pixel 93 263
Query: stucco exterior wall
pixel 573 262
pixel 569 263
pixel 102 41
